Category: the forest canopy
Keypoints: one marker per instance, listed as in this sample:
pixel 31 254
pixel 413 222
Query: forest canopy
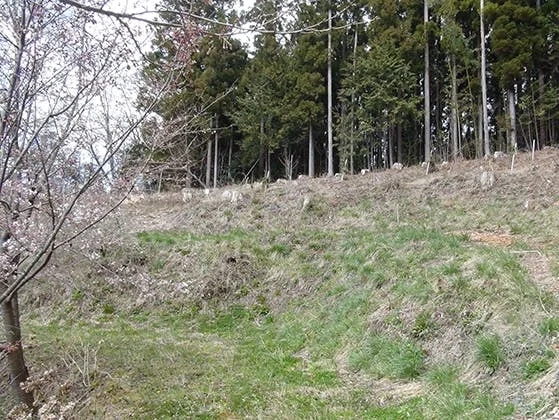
pixel 252 110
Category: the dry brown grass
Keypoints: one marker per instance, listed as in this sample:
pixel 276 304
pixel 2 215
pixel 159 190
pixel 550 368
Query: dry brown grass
pixel 532 185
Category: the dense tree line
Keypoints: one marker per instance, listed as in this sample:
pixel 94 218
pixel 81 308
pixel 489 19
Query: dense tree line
pixel 406 86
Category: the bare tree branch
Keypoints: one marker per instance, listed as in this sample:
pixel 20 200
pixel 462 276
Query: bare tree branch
pixel 229 29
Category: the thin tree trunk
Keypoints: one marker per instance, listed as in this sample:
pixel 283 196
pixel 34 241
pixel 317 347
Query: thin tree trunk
pixel 512 119
pixel 460 135
pixel 480 136
pixel 262 157
pixel 230 159
pixel 438 117
pixel 269 164
pixel 390 144
pixel 399 143
pixel 351 149
pixel 426 88
pixel 353 125
pixel 216 155
pixel 541 91
pixel 209 163
pixel 329 111
pixel 311 152
pixel 16 363
pixel 485 121
pixel 454 110
pixel 541 126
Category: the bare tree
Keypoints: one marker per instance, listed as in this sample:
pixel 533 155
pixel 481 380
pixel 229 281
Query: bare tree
pixel 288 164
pixel 59 63
pixel 185 141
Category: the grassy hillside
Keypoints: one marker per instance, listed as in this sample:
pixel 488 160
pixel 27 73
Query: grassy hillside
pixel 395 294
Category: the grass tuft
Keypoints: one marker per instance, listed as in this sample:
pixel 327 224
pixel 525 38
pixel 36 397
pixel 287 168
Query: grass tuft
pixel 383 356
pixel 549 327
pixel 535 368
pixel 490 351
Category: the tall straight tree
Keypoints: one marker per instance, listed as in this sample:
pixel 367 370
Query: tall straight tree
pixel 485 118
pixel 546 61
pixel 354 17
pixel 259 112
pixel 513 41
pixel 426 88
pixel 542 136
pixel 353 105
pixel 330 94
pixel 304 100
pixel 453 45
pixel 384 85
pixel 398 26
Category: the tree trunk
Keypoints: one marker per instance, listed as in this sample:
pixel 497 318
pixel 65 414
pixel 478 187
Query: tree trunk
pixel 216 156
pixel 438 119
pixel 329 111
pixel 229 160
pixel 352 149
pixel 454 111
pixel 399 143
pixel 485 120
pixel 16 363
pixel 390 145
pixel 216 150
pixel 262 151
pixel 480 135
pixel 209 163
pixel 512 120
pixel 426 89
pixel 542 140
pixel 311 152
pixel 353 122
pixel 268 164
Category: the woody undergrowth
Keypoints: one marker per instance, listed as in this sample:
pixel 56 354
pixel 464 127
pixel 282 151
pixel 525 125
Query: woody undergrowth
pixel 350 311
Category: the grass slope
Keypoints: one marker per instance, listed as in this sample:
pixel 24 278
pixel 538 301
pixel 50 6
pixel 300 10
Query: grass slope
pixel 392 295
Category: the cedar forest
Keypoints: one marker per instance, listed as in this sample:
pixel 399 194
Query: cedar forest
pixel 241 111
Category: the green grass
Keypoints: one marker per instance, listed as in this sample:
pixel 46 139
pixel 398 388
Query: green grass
pixel 549 327
pixel 234 363
pixel 490 351
pixel 353 271
pixel 535 368
pixel 383 356
pixel 209 365
pixel 424 324
pixel 317 322
pixel 453 399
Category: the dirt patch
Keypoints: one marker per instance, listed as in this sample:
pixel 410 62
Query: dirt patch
pixel 491 238
pixel 451 345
